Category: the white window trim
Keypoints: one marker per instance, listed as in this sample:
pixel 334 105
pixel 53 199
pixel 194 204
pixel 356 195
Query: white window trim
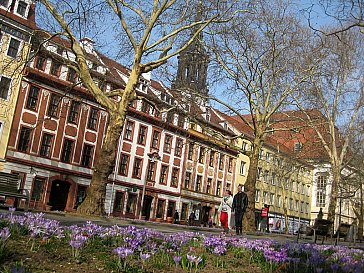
pixel 242 168
pixel 26 10
pixel 6 8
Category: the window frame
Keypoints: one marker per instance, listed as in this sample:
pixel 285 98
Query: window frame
pixel 175 176
pixel 26 9
pixel 93 118
pixel 155 141
pixel 137 164
pixel 43 63
pixel 53 105
pixel 163 174
pixel 11 49
pixel 167 145
pixel 46 147
pixel 8 85
pixel 67 152
pixel 87 155
pixel 178 147
pixel 122 163
pixel 21 143
pixel 56 67
pixel 128 130
pixel 142 134
pixel 151 171
pixel 73 113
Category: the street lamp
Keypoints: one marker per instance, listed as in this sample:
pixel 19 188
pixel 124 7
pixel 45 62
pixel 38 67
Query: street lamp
pixel 154 156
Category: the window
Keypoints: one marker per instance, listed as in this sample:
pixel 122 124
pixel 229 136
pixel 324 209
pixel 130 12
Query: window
pixel 266 176
pixel 221 162
pixel 170 117
pixel 212 158
pixel 198 183
pixel 4 87
pixel 208 185
pixel 37 191
pixel 218 188
pixel 291 186
pixel 53 105
pixel 87 156
pixel 73 113
pixel 296 205
pixel 181 121
pixel 230 165
pixel 22 8
pixel 150 173
pixel 298 147
pixel 137 167
pixel 307 208
pixel 184 211
pixel 265 197
pixel 187 180
pixel 171 208
pixel 81 194
pixel 178 149
pixel 145 107
pixel 56 68
pixel 279 201
pixel 291 204
pixel 257 195
pixel 118 203
pixel 271 198
pixel 298 187
pixel 124 162
pixel 302 206
pixel 174 182
pixel 129 130
pixel 142 134
pixel 163 176
pixel 72 75
pixel 274 177
pixel 243 169
pixel 24 138
pixel 45 149
pixel 13 47
pixel 4 3
pixel 267 156
pixel 303 189
pixel 259 172
pixel 40 63
pixel 167 144
pixel 321 191
pixel 130 204
pixel 160 208
pixel 92 121
pixel 67 150
pixel 261 154
pixel 190 151
pixel 155 140
pixel 244 146
pixel 201 155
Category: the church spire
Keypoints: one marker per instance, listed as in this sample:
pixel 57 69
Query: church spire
pixel 193 62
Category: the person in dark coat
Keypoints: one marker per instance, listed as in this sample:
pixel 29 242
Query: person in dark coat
pixel 176 217
pixel 240 203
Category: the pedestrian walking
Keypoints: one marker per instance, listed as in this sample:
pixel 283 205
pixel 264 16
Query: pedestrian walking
pixel 225 210
pixel 240 203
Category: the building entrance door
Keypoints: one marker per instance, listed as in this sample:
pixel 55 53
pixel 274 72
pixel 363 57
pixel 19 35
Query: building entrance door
pixel 59 195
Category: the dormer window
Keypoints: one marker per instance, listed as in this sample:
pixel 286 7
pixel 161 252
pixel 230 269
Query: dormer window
pixel 225 125
pixel 22 8
pixel 297 146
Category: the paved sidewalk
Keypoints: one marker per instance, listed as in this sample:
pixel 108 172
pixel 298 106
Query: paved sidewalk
pixel 69 219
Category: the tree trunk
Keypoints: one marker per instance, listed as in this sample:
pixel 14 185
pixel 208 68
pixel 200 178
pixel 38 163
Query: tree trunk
pixel 334 193
pixel 285 211
pixel 249 189
pixel 104 166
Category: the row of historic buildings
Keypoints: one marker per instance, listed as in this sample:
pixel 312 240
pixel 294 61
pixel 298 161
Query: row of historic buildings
pixel 181 151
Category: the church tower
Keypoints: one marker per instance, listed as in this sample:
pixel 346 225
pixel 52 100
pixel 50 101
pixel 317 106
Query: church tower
pixel 193 63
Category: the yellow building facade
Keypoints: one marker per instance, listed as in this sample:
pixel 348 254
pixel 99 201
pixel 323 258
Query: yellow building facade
pixel 16 32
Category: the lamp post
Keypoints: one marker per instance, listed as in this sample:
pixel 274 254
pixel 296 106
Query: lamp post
pixel 154 156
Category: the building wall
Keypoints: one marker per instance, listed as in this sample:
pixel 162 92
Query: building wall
pixel 11 67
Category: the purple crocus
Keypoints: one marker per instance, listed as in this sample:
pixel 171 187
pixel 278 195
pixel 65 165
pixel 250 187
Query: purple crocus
pixel 4 233
pixel 123 252
pixel 144 256
pixel 177 259
pixel 78 241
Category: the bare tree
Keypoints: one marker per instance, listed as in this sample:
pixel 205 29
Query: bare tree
pixel 337 91
pixel 266 56
pixel 347 14
pixel 151 29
